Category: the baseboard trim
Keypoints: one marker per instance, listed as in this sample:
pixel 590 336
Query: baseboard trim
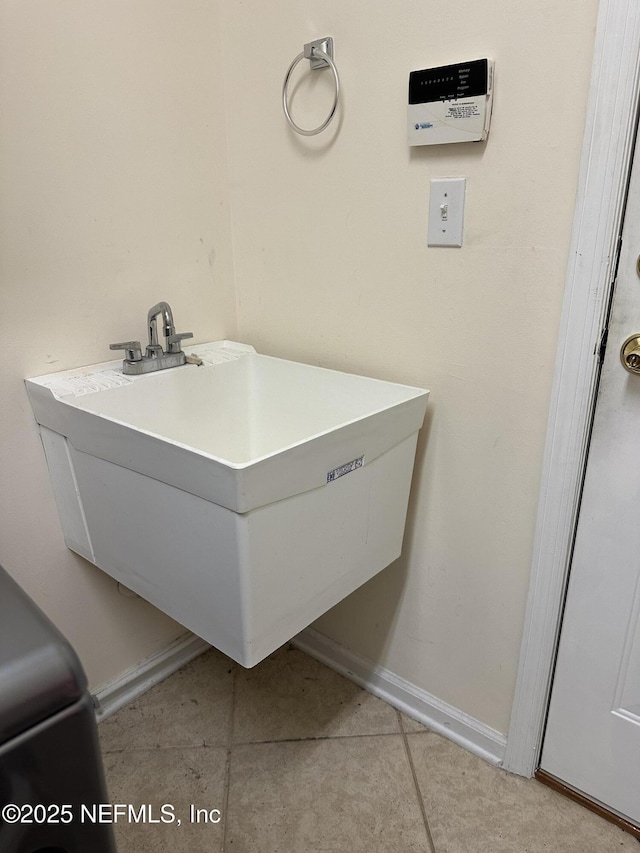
pixel 432 712
pixel 136 680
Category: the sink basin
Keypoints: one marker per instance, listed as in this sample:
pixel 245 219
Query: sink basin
pixel 244 496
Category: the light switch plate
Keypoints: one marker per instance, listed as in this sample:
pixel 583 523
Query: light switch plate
pixel 446 211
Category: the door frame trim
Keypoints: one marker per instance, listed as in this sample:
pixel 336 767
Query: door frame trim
pixel 604 169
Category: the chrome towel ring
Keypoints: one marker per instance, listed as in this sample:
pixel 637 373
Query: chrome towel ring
pixel 320 54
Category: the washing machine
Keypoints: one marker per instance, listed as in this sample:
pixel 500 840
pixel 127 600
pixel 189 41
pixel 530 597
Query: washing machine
pixel 50 763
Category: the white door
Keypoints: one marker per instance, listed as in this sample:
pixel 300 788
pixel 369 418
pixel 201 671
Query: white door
pixel 592 739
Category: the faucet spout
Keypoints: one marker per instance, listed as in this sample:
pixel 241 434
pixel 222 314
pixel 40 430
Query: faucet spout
pixel 164 309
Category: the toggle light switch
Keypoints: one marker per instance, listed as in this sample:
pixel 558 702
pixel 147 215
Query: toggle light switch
pixel 446 211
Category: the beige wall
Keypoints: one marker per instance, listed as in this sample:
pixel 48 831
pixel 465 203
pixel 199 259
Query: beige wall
pixel 115 193
pixel 332 267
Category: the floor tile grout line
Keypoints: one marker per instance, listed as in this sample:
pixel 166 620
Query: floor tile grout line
pixel 158 748
pixel 227 769
pixel 416 785
pixel 252 742
pixel 315 738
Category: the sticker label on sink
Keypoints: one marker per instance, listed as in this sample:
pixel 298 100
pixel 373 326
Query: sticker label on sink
pixel 347 468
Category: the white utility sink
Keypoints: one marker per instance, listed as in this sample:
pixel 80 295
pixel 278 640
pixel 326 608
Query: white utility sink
pixel 243 497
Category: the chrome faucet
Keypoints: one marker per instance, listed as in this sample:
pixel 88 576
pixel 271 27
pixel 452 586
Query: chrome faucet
pixel 155 357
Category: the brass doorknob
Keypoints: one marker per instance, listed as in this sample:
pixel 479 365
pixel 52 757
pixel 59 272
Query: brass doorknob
pixel 630 354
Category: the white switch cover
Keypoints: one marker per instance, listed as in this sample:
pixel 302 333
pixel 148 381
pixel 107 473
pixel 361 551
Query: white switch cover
pixel 446 211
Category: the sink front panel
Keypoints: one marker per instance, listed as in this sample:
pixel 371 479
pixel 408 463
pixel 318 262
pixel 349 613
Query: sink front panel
pixel 246 583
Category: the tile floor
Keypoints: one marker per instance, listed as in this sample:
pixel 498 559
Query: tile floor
pixel 296 759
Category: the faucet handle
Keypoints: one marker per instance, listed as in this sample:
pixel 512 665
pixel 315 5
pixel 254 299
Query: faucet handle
pixel 173 341
pixel 132 350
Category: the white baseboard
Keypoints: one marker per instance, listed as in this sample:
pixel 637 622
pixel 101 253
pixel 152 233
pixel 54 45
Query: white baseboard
pixel 406 697
pixel 136 680
pixel 432 712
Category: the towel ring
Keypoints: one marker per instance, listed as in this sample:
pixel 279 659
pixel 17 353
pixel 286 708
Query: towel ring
pixel 320 53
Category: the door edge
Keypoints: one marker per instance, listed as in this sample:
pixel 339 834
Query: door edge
pixel 611 115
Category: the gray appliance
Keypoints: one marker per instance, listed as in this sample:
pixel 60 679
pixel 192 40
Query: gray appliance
pixel 49 751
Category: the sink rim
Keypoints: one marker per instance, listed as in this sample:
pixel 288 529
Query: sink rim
pixel 82 403
pixel 243 484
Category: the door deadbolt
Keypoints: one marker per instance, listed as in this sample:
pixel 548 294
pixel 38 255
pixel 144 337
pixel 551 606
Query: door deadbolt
pixel 630 354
